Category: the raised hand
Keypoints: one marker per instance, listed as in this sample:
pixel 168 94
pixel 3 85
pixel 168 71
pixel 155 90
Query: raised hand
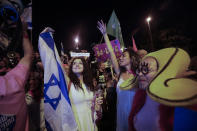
pixel 102 27
pixel 98 103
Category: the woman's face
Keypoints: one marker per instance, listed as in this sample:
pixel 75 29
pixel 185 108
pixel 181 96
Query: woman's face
pixel 77 66
pixel 124 59
pixel 146 72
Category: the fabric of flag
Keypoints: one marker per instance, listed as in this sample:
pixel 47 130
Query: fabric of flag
pixel 134 45
pixel 114 29
pixel 57 108
pixel 27 16
pixel 62 49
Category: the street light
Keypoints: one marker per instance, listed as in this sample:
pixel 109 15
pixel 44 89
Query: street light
pixel 148 19
pixel 77 42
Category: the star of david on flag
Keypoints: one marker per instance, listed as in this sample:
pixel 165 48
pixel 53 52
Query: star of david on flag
pixel 57 108
pixel 55 101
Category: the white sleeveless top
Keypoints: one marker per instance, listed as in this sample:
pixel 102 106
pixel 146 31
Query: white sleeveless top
pixel 81 101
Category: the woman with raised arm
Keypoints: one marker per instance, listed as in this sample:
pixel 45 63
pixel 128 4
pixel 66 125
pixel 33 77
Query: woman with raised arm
pixel 125 70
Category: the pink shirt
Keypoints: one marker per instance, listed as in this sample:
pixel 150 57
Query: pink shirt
pixel 13 108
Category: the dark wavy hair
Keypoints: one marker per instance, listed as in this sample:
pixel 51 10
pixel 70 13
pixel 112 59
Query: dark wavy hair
pixel 135 59
pixel 87 75
pixel 14 32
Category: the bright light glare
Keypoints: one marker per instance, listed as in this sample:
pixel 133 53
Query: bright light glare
pixel 148 19
pixel 76 40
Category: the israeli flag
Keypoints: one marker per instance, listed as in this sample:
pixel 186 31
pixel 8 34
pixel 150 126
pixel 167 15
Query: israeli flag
pixel 57 107
pixel 27 16
pixel 62 49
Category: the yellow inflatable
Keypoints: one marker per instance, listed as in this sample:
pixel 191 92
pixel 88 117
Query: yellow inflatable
pixel 167 88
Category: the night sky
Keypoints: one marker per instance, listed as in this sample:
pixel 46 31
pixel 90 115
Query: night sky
pixel 80 17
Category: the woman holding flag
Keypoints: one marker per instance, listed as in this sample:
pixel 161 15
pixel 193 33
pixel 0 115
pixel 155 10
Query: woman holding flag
pixel 125 70
pixel 62 90
pixel 81 94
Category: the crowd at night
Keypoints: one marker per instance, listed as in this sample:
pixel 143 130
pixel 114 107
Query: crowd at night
pixel 98 66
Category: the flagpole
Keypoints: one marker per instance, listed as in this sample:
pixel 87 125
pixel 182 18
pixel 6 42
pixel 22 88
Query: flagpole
pixel 101 39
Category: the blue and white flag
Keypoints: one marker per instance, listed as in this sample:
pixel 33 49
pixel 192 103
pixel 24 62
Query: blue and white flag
pixel 27 15
pixel 62 49
pixel 57 108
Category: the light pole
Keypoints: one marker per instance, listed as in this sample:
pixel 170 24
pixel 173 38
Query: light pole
pixel 148 19
pixel 77 42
